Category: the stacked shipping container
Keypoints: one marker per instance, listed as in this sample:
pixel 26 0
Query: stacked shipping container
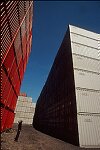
pixel 69 105
pixel 24 110
pixel 16 37
pixel 86 65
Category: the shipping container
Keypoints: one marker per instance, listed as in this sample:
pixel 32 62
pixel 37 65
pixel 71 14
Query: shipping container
pixel 85 63
pixel 9 120
pixel 88 101
pixel 83 32
pixel 89 130
pixel 24 109
pixel 84 50
pixel 86 79
pixel 83 40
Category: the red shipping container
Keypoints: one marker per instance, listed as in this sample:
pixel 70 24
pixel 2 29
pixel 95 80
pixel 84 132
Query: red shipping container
pixel 10 96
pixel 27 25
pixel 17 45
pixel 14 18
pixel 4 79
pixel 25 62
pixel 21 10
pixel 13 102
pixel 3 119
pixel 21 71
pixel 9 120
pixel 15 78
pixel 24 45
pixel 17 87
pixel 12 72
pixel 5 92
pixel 23 94
pixel 9 59
pixel 28 48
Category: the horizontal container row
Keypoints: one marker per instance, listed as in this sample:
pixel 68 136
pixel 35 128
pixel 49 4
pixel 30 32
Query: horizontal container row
pixel 77 38
pixel 87 101
pixel 84 50
pixel 89 130
pixel 25 120
pixel 83 32
pixel 85 63
pixel 88 80
pixel 27 104
pixel 24 109
pixel 24 114
pixel 24 99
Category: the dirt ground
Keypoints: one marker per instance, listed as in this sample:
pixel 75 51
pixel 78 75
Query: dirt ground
pixel 31 139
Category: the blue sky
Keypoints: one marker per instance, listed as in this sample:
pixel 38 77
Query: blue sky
pixel 50 22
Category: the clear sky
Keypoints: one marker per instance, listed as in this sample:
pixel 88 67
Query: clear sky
pixel 50 22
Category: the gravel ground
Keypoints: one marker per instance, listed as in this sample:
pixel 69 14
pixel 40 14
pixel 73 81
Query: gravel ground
pixel 31 139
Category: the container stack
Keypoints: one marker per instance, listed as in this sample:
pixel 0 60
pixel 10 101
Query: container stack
pixel 16 37
pixel 69 104
pixel 24 110
pixel 86 65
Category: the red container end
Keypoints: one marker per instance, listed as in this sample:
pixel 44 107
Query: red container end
pixel 23 94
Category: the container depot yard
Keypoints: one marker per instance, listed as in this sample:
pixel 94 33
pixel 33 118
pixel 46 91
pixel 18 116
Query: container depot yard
pixel 31 139
pixel 61 110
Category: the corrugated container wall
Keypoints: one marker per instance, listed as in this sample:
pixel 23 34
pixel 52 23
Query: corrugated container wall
pixel 69 105
pixel 86 68
pixel 16 38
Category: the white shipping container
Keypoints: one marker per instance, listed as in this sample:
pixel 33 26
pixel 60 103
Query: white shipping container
pixel 22 114
pixel 84 50
pixel 32 109
pixel 30 115
pixel 89 130
pixel 86 63
pixel 18 108
pixel 29 104
pixel 24 110
pixel 86 80
pixel 83 32
pixel 87 101
pixel 76 38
